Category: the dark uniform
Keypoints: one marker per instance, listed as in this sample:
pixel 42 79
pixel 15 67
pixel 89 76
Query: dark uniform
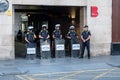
pixel 44 34
pixel 30 37
pixel 57 34
pixel 72 35
pixel 85 35
pixel 72 39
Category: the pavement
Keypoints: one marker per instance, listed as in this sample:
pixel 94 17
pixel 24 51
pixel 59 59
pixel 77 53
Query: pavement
pixel 96 68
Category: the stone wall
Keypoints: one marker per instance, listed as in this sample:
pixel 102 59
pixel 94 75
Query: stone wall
pixel 6 34
pixel 100 26
pixel 52 2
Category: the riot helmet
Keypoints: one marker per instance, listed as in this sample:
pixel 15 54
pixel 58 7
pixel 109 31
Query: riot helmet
pixel 44 26
pixel 72 27
pixel 30 28
pixel 57 26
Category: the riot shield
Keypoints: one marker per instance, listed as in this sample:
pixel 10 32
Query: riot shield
pixel 31 51
pixel 75 48
pixel 59 48
pixel 45 50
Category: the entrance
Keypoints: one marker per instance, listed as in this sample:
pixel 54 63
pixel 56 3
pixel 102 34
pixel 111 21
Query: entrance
pixel 36 16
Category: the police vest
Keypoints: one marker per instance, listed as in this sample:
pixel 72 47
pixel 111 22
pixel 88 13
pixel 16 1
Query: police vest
pixel 72 34
pixel 30 37
pixel 44 33
pixel 57 33
pixel 86 34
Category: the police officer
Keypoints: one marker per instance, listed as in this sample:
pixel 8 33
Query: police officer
pixel 57 32
pixel 71 34
pixel 85 36
pixel 30 36
pixel 44 33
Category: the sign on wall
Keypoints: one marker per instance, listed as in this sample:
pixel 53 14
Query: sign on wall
pixel 9 13
pixel 94 11
pixel 4 5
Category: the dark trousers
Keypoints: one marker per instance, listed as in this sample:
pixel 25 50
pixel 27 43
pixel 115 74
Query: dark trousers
pixel 85 45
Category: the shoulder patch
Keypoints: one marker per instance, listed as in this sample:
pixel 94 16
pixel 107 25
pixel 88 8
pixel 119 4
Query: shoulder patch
pixel 41 31
pixel 69 32
pixel 27 32
pixel 46 30
pixel 54 30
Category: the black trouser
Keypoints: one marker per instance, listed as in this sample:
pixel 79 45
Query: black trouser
pixel 87 45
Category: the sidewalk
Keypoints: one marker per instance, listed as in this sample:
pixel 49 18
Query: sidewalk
pixel 66 65
pixel 57 65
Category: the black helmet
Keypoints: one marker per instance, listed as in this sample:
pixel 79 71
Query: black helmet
pixel 72 27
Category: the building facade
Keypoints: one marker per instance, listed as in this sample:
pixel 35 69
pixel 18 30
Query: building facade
pixel 99 21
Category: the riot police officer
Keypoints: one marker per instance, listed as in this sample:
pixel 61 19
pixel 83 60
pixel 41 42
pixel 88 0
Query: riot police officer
pixel 85 36
pixel 44 33
pixel 30 36
pixel 72 34
pixel 57 32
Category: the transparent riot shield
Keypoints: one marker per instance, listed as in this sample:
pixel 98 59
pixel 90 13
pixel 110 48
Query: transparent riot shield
pixel 45 49
pixel 75 48
pixel 31 51
pixel 59 48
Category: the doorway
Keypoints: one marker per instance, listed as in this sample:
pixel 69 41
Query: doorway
pixel 36 16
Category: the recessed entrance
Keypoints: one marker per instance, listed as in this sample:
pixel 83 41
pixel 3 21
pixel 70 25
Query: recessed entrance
pixel 35 16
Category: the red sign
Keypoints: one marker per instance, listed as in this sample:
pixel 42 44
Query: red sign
pixel 94 11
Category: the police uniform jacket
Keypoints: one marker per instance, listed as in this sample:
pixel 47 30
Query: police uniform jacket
pixel 86 34
pixel 57 33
